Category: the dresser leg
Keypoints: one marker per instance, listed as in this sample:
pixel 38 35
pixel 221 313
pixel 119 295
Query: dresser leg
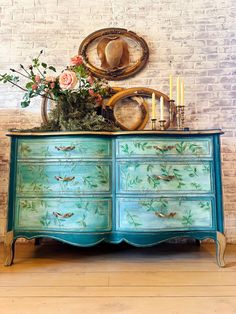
pixel 198 242
pixel 9 246
pixel 37 241
pixel 220 248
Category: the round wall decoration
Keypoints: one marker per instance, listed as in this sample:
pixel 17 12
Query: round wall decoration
pixel 131 109
pixel 114 53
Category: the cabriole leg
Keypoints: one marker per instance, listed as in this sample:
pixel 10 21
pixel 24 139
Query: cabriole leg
pixel 9 246
pixel 220 248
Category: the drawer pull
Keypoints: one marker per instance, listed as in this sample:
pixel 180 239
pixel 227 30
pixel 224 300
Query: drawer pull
pixel 65 148
pixel 164 178
pixel 164 148
pixel 161 215
pixel 65 179
pixel 59 215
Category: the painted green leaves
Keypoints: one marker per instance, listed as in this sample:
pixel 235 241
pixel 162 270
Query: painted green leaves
pixel 64 177
pixel 64 148
pixel 165 147
pixel 83 214
pixel 165 176
pixel 164 213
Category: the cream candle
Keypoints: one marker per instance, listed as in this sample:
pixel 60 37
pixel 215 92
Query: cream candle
pixel 161 108
pixel 182 93
pixel 178 91
pixel 153 106
pixel 171 87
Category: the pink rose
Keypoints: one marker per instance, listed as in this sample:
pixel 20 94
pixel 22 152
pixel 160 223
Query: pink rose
pixel 37 78
pixel 34 86
pixel 67 79
pixel 52 85
pixel 76 60
pixel 90 79
pixel 91 92
pixel 50 78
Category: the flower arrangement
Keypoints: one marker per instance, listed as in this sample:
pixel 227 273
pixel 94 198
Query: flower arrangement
pixel 77 94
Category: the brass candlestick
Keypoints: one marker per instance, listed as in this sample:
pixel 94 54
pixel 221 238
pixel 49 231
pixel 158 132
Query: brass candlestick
pixel 154 124
pixel 172 113
pixel 180 117
pixel 162 124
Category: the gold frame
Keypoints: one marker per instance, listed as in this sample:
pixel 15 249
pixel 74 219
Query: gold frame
pixel 140 91
pixel 118 73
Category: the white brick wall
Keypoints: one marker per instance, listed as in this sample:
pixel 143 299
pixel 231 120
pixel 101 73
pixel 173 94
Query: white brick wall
pixel 194 39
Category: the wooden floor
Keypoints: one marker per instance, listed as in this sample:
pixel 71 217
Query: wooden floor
pixel 171 278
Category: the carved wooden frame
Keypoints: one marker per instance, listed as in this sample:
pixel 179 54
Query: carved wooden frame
pixel 140 91
pixel 117 73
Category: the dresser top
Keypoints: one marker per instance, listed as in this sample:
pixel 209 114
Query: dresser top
pixel 104 133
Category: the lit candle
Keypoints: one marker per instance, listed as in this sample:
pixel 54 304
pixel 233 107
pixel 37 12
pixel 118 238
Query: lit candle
pixel 182 92
pixel 153 106
pixel 161 108
pixel 171 87
pixel 178 91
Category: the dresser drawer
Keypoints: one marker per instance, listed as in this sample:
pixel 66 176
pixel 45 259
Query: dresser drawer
pixel 164 147
pixel 64 177
pixel 142 214
pixel 64 214
pixel 152 176
pixel 83 148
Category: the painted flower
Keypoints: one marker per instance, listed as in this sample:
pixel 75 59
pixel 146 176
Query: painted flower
pixel 34 86
pixel 76 60
pixel 67 79
pixel 52 85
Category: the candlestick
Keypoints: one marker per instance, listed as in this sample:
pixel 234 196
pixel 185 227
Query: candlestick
pixel 153 106
pixel 171 87
pixel 180 117
pixel 162 124
pixel 172 113
pixel 161 108
pixel 182 93
pixel 178 92
pixel 153 124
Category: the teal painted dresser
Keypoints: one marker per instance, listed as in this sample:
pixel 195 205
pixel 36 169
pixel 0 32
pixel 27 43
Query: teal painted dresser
pixel 140 187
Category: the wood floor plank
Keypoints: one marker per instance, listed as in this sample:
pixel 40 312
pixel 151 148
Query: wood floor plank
pixel 53 279
pixel 168 279
pixel 118 305
pixel 127 279
pixel 143 291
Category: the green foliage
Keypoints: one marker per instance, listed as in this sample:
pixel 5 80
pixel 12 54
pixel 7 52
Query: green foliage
pixel 126 149
pixel 76 104
pixel 187 219
pixel 132 219
pixel 76 112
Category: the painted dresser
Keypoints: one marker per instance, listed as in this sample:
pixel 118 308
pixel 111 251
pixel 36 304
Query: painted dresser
pixel 140 187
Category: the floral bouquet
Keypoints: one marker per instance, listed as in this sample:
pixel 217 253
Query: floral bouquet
pixel 77 94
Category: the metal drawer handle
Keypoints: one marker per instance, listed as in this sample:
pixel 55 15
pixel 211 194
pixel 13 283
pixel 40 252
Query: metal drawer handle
pixel 65 148
pixel 59 215
pixel 164 148
pixel 65 179
pixel 161 215
pixel 164 178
